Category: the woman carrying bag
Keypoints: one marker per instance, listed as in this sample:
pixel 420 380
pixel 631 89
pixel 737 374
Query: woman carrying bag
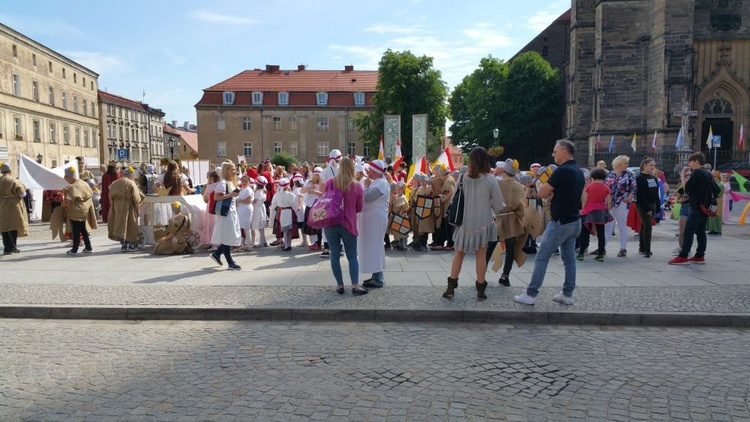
pixel 227 229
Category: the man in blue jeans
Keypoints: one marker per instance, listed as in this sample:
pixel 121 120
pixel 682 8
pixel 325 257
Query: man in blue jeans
pixel 563 190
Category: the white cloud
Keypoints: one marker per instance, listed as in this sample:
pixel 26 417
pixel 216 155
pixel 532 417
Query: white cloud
pixel 391 29
pixel 40 27
pixel 98 62
pixel 207 16
pixel 543 18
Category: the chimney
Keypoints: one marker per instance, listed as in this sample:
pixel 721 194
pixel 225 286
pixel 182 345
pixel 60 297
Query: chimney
pixel 187 125
pixel 272 68
pixel 301 67
pixel 348 68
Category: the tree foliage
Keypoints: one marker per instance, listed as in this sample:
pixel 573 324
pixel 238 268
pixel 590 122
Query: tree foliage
pixel 407 85
pixel 520 98
pixel 283 159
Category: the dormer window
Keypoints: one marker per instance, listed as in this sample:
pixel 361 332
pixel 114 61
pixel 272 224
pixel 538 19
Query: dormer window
pixel 283 98
pixel 228 98
pixel 322 98
pixel 359 98
pixel 257 98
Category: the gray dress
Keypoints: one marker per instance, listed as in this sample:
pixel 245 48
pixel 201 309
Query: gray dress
pixel 482 199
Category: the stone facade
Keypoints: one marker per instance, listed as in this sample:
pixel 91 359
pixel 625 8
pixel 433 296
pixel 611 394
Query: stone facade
pixel 47 104
pixel 633 64
pixel 133 126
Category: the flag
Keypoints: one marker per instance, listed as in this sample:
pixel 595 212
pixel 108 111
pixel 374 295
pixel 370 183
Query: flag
pixel 678 144
pixel 740 181
pixel 742 136
pixel 612 143
pixel 444 159
pixel 598 141
pixel 451 167
pixel 424 167
pixel 653 143
pixel 381 152
pixel 710 139
pixel 397 156
pixel 633 143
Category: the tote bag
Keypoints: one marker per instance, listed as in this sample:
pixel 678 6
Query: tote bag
pixel 456 210
pixel 327 211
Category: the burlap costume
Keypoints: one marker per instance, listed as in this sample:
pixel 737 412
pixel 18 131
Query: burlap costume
pixel 437 189
pixel 13 214
pixel 509 219
pixel 79 206
pixel 122 222
pixel 174 243
pixel 399 205
pixel 421 225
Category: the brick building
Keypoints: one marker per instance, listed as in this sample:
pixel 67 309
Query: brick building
pixel 635 63
pixel 307 113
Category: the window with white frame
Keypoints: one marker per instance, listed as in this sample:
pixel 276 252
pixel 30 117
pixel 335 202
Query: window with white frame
pixel 220 123
pixel 351 149
pixel 359 98
pixel 283 98
pixel 18 126
pixel 37 127
pixel 52 133
pixel 77 138
pixel 228 98
pixel 277 147
pixel 66 135
pixel 292 123
pixel 34 90
pixel 277 124
pixel 221 149
pixel 246 123
pixel 247 149
pixel 322 149
pixel 350 124
pixel 321 123
pixel 16 86
pixel 294 148
pixel 257 98
pixel 366 151
pixel 322 98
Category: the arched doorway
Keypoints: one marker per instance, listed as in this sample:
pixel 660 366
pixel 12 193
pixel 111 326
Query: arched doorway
pixel 718 114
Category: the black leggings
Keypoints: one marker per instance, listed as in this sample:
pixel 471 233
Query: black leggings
pixel 510 253
pixel 10 238
pixel 647 222
pixel 585 239
pixel 79 228
pixel 226 251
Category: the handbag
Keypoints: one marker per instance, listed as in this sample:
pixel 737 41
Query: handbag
pixel 223 205
pixel 328 210
pixel 211 204
pixel 456 210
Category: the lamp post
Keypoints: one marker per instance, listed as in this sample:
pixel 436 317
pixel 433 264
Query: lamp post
pixel 39 158
pixel 171 147
pixel 495 134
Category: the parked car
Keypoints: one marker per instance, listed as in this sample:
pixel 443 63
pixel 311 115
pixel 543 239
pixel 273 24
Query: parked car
pixel 741 167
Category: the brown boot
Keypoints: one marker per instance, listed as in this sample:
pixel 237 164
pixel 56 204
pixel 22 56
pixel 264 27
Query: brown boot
pixel 480 290
pixel 450 291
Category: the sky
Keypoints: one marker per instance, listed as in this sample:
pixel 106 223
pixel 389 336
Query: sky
pixel 172 50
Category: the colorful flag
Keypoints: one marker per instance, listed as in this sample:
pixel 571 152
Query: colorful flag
pixel 397 155
pixel 710 139
pixel 653 143
pixel 633 143
pixel 678 144
pixel 443 159
pixel 381 152
pixel 598 141
pixel 742 136
pixel 740 181
pixel 612 143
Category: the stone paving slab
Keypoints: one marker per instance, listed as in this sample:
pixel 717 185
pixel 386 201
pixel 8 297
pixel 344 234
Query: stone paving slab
pixel 44 282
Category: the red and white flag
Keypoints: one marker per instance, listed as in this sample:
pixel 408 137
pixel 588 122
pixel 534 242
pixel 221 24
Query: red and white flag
pixel 398 158
pixel 653 143
pixel 381 152
pixel 742 136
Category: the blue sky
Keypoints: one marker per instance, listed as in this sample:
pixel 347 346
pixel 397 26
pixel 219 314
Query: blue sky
pixel 174 49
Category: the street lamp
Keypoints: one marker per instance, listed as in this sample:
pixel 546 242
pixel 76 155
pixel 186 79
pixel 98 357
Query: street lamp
pixel 171 147
pixel 495 134
pixel 39 158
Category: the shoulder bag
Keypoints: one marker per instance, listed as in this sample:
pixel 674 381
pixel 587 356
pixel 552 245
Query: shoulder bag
pixel 456 210
pixel 328 210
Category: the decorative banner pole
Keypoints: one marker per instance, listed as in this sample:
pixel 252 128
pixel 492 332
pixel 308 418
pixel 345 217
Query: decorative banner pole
pixel 418 136
pixel 392 132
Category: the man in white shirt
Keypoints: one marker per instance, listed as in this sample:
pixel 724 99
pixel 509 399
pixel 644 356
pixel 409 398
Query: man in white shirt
pixel 372 224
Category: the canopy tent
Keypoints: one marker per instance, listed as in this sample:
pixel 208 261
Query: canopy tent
pixel 36 176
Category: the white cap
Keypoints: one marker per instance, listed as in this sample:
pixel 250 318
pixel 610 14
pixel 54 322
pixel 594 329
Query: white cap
pixel 334 154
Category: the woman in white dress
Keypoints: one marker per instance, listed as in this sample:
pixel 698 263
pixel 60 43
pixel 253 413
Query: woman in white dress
pixel 245 211
pixel 482 200
pixel 284 214
pixel 372 224
pixel 227 229
pixel 259 218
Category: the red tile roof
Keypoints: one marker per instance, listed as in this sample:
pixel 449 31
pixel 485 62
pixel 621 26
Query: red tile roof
pixel 190 138
pixel 300 81
pixel 169 129
pixel 109 98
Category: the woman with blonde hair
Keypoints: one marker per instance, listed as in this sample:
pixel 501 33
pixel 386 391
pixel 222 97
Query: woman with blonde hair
pixel 227 229
pixel 482 200
pixel 621 184
pixel 346 232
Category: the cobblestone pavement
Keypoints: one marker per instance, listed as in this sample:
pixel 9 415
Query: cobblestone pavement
pixel 82 370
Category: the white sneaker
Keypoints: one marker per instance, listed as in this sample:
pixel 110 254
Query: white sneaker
pixel 525 299
pixel 561 298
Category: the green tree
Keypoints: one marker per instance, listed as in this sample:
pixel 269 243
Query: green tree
pixel 283 159
pixel 407 85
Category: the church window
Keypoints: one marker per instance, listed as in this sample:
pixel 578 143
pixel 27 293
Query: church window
pixel 718 106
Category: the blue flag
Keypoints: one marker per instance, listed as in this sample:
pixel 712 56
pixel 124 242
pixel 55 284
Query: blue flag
pixel 678 144
pixel 612 143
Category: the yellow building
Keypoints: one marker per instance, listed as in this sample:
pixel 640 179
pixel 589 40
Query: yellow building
pixel 47 104
pixel 259 113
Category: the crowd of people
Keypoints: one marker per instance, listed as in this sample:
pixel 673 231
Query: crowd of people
pixel 545 210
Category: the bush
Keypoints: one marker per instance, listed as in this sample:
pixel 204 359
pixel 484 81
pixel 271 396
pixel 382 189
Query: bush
pixel 284 159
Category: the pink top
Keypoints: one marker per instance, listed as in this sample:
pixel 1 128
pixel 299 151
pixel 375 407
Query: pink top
pixel 353 202
pixel 597 196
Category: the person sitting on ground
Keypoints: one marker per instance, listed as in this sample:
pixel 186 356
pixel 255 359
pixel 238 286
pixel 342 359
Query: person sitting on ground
pixel 175 243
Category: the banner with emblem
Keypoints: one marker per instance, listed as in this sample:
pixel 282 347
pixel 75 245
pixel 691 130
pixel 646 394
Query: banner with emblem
pixel 400 224
pixel 424 207
pixel 437 207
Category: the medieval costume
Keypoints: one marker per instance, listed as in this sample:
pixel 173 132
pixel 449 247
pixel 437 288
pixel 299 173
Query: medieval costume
pixel 175 243
pixel 125 199
pixel 79 210
pixel 14 221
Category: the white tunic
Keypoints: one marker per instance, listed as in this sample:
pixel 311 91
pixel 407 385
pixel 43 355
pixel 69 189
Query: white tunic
pixel 288 201
pixel 372 223
pixel 258 221
pixel 245 211
pixel 300 205
pixel 226 229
